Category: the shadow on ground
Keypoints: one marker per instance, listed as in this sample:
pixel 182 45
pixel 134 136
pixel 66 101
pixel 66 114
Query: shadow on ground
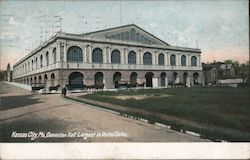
pixel 11 102
pixel 32 125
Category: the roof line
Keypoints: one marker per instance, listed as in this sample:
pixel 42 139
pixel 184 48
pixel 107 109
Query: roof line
pixel 127 26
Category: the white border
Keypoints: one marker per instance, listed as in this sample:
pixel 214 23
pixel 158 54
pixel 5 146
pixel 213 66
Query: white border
pixel 125 151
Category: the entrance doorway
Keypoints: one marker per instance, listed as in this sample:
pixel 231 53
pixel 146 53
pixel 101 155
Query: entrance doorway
pixel 149 76
pixel 116 79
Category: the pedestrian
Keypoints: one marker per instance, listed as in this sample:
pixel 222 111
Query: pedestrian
pixel 63 92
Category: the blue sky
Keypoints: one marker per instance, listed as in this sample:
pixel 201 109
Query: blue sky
pixel 220 27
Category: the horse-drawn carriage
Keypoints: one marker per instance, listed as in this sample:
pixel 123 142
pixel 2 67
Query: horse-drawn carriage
pixel 35 87
pixel 125 84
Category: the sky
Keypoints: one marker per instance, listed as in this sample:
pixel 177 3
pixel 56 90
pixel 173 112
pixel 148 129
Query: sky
pixel 220 28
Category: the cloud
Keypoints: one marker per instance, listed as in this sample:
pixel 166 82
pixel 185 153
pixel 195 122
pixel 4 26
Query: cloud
pixel 221 27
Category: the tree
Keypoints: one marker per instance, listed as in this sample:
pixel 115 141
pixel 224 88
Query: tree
pixel 229 61
pixel 244 71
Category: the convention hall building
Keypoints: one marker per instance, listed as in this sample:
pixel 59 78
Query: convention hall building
pixel 125 54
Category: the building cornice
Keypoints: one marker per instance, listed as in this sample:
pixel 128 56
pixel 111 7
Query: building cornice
pixel 81 38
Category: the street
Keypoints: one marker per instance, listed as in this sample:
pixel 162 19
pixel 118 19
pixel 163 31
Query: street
pixel 49 118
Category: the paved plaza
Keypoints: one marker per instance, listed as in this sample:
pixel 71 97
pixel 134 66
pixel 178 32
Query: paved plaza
pixel 22 112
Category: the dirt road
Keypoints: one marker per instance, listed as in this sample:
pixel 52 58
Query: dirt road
pixel 49 118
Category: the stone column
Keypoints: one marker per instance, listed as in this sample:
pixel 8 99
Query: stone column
pixel 166 81
pixel 90 54
pixel 57 54
pixel 104 55
pixel 188 60
pixel 165 59
pixel 138 57
pixel 141 56
pixel 156 57
pixel 107 54
pixel 65 52
pixel 153 58
pixel 122 56
pixel 125 56
pixel 86 54
pixel 177 59
pixel 108 79
pixel 155 82
pixel 199 61
pixel 169 54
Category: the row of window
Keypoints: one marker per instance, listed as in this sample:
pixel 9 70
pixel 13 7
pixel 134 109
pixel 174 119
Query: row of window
pixel 34 63
pixel 132 35
pixel 75 54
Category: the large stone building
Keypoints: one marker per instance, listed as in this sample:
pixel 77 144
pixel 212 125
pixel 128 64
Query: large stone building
pixel 122 54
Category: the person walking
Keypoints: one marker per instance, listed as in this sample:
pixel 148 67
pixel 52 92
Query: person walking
pixel 64 92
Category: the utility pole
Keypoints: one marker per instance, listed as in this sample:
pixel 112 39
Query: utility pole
pixel 97 22
pixel 58 22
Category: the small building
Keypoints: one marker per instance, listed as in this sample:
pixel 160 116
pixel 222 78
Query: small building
pixel 217 71
pixel 209 73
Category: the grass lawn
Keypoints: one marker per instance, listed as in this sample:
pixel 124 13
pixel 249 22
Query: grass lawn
pixel 222 107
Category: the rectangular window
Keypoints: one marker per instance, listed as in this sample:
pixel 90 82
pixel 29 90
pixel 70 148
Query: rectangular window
pixel 137 37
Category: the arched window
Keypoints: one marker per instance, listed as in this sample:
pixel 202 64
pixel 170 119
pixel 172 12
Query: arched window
pixel 36 63
pixel 132 34
pixel 193 61
pixel 196 78
pixel 116 79
pixel 132 57
pixel 97 55
pixel 35 80
pixel 25 67
pixel 183 60
pixel 172 60
pixel 75 80
pixel 74 54
pixel 99 78
pixel 115 57
pixel 133 79
pixel 175 78
pixel 185 76
pixel 52 79
pixel 149 79
pixel 32 64
pixel 41 61
pixel 40 79
pixel 28 66
pixel 161 59
pixel 147 58
pixel 163 79
pixel 45 79
pixel 47 58
pixel 54 55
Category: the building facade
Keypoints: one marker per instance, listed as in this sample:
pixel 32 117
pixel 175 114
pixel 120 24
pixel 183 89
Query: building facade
pixel 122 54
pixel 217 71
